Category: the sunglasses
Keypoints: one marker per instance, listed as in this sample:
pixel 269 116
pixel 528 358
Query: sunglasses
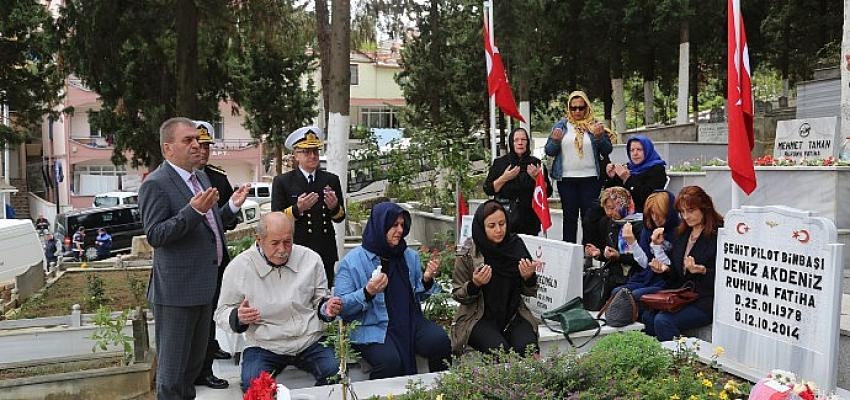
pixel 578 108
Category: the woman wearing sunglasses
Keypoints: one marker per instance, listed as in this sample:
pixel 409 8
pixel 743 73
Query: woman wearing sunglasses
pixel 580 146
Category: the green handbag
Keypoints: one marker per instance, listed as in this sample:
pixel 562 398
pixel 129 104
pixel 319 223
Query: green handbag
pixel 572 317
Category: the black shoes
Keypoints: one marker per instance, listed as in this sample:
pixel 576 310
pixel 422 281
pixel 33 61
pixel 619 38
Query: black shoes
pixel 211 381
pixel 221 355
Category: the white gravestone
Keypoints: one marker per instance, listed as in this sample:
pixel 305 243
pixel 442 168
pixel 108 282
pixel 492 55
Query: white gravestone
pixel 559 278
pixel 778 293
pixel 811 138
pixel 714 132
pixel 465 229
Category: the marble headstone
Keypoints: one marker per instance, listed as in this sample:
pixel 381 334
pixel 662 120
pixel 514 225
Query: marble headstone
pixel 559 278
pixel 811 138
pixel 778 292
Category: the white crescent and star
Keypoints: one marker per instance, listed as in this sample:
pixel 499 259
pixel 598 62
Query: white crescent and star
pixel 539 197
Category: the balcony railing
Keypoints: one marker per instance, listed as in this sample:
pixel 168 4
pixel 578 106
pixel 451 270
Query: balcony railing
pixel 97 142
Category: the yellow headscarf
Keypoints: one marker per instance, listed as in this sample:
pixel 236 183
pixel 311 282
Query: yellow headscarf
pixel 583 125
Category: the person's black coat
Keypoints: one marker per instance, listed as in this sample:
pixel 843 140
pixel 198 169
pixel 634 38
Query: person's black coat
pixel 518 191
pixel 218 180
pixel 313 227
pixel 704 252
pixel 642 185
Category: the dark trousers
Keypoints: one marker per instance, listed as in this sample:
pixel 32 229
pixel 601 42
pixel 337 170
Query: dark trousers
pixel 181 342
pixel 665 326
pixel 578 195
pixel 330 263
pixel 487 336
pixel 431 342
pixel 212 343
pixel 317 359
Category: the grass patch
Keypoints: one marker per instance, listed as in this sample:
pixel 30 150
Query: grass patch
pixel 73 288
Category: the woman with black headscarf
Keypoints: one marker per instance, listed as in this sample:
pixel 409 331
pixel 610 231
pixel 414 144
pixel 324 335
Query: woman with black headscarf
pixel 382 284
pixel 488 281
pixel 511 181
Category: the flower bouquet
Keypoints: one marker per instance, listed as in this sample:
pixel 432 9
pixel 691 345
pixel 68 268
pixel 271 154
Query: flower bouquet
pixel 783 385
pixel 264 387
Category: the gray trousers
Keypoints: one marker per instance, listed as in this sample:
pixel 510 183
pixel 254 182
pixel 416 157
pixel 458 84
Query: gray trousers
pixel 181 342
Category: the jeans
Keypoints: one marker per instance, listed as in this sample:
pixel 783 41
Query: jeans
pixel 431 342
pixel 577 197
pixel 487 336
pixel 318 360
pixel 665 326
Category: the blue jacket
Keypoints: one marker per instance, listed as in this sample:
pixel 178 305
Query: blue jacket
pixel 355 270
pixel 601 149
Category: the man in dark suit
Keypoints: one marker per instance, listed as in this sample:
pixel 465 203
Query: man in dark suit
pixel 312 197
pixel 218 180
pixel 184 226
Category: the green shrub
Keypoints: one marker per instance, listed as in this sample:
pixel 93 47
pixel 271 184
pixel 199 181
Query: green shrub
pixel 501 376
pixel 627 353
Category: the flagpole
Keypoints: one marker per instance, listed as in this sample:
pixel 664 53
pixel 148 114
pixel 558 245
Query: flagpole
pixel 488 9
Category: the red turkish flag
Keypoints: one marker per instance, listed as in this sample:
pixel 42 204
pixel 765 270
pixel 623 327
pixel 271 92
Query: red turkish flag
pixel 540 202
pixel 739 97
pixel 497 79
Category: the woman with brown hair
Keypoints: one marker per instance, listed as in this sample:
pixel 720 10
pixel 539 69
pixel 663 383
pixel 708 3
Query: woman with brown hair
pixel 692 259
pixel 580 146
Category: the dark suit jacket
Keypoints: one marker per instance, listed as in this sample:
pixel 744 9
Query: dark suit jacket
pixel 185 268
pixel 313 227
pixel 218 180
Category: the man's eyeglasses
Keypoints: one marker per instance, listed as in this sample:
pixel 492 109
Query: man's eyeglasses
pixel 578 108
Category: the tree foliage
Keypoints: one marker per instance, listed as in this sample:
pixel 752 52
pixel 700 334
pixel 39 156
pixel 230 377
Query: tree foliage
pixel 127 53
pixel 272 77
pixel 30 76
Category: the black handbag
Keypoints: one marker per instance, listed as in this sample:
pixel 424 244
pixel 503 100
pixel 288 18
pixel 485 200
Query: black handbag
pixel 593 288
pixel 572 317
pixel 599 282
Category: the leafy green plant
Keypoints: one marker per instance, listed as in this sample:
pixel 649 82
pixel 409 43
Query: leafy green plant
pixel 95 292
pixel 439 309
pixel 109 331
pixel 630 353
pixel 355 212
pixel 234 248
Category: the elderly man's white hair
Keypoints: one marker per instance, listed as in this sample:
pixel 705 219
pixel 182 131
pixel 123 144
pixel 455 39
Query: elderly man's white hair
pixel 262 226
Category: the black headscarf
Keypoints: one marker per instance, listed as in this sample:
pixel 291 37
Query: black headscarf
pixel 502 293
pixel 522 160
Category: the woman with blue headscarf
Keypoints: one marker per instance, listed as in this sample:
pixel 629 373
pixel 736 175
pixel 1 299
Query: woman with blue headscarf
pixel 643 174
pixel 382 284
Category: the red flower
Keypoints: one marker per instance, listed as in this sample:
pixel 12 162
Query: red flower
pixel 807 394
pixel 262 387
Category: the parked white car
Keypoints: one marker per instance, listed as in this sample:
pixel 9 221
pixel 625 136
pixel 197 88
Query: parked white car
pixel 110 199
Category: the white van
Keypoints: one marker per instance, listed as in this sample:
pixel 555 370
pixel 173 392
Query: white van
pixel 20 248
pixel 249 214
pixel 110 199
pixel 261 192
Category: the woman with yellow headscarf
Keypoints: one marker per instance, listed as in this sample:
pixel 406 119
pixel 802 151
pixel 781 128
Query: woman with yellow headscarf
pixel 580 146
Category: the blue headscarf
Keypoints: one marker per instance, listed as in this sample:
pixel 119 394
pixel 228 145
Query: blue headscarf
pixel 375 234
pixel 651 157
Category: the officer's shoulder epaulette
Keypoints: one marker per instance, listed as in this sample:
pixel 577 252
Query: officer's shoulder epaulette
pixel 217 169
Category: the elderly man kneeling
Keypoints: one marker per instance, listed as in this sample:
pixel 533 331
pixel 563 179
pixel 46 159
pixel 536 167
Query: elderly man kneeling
pixel 276 292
